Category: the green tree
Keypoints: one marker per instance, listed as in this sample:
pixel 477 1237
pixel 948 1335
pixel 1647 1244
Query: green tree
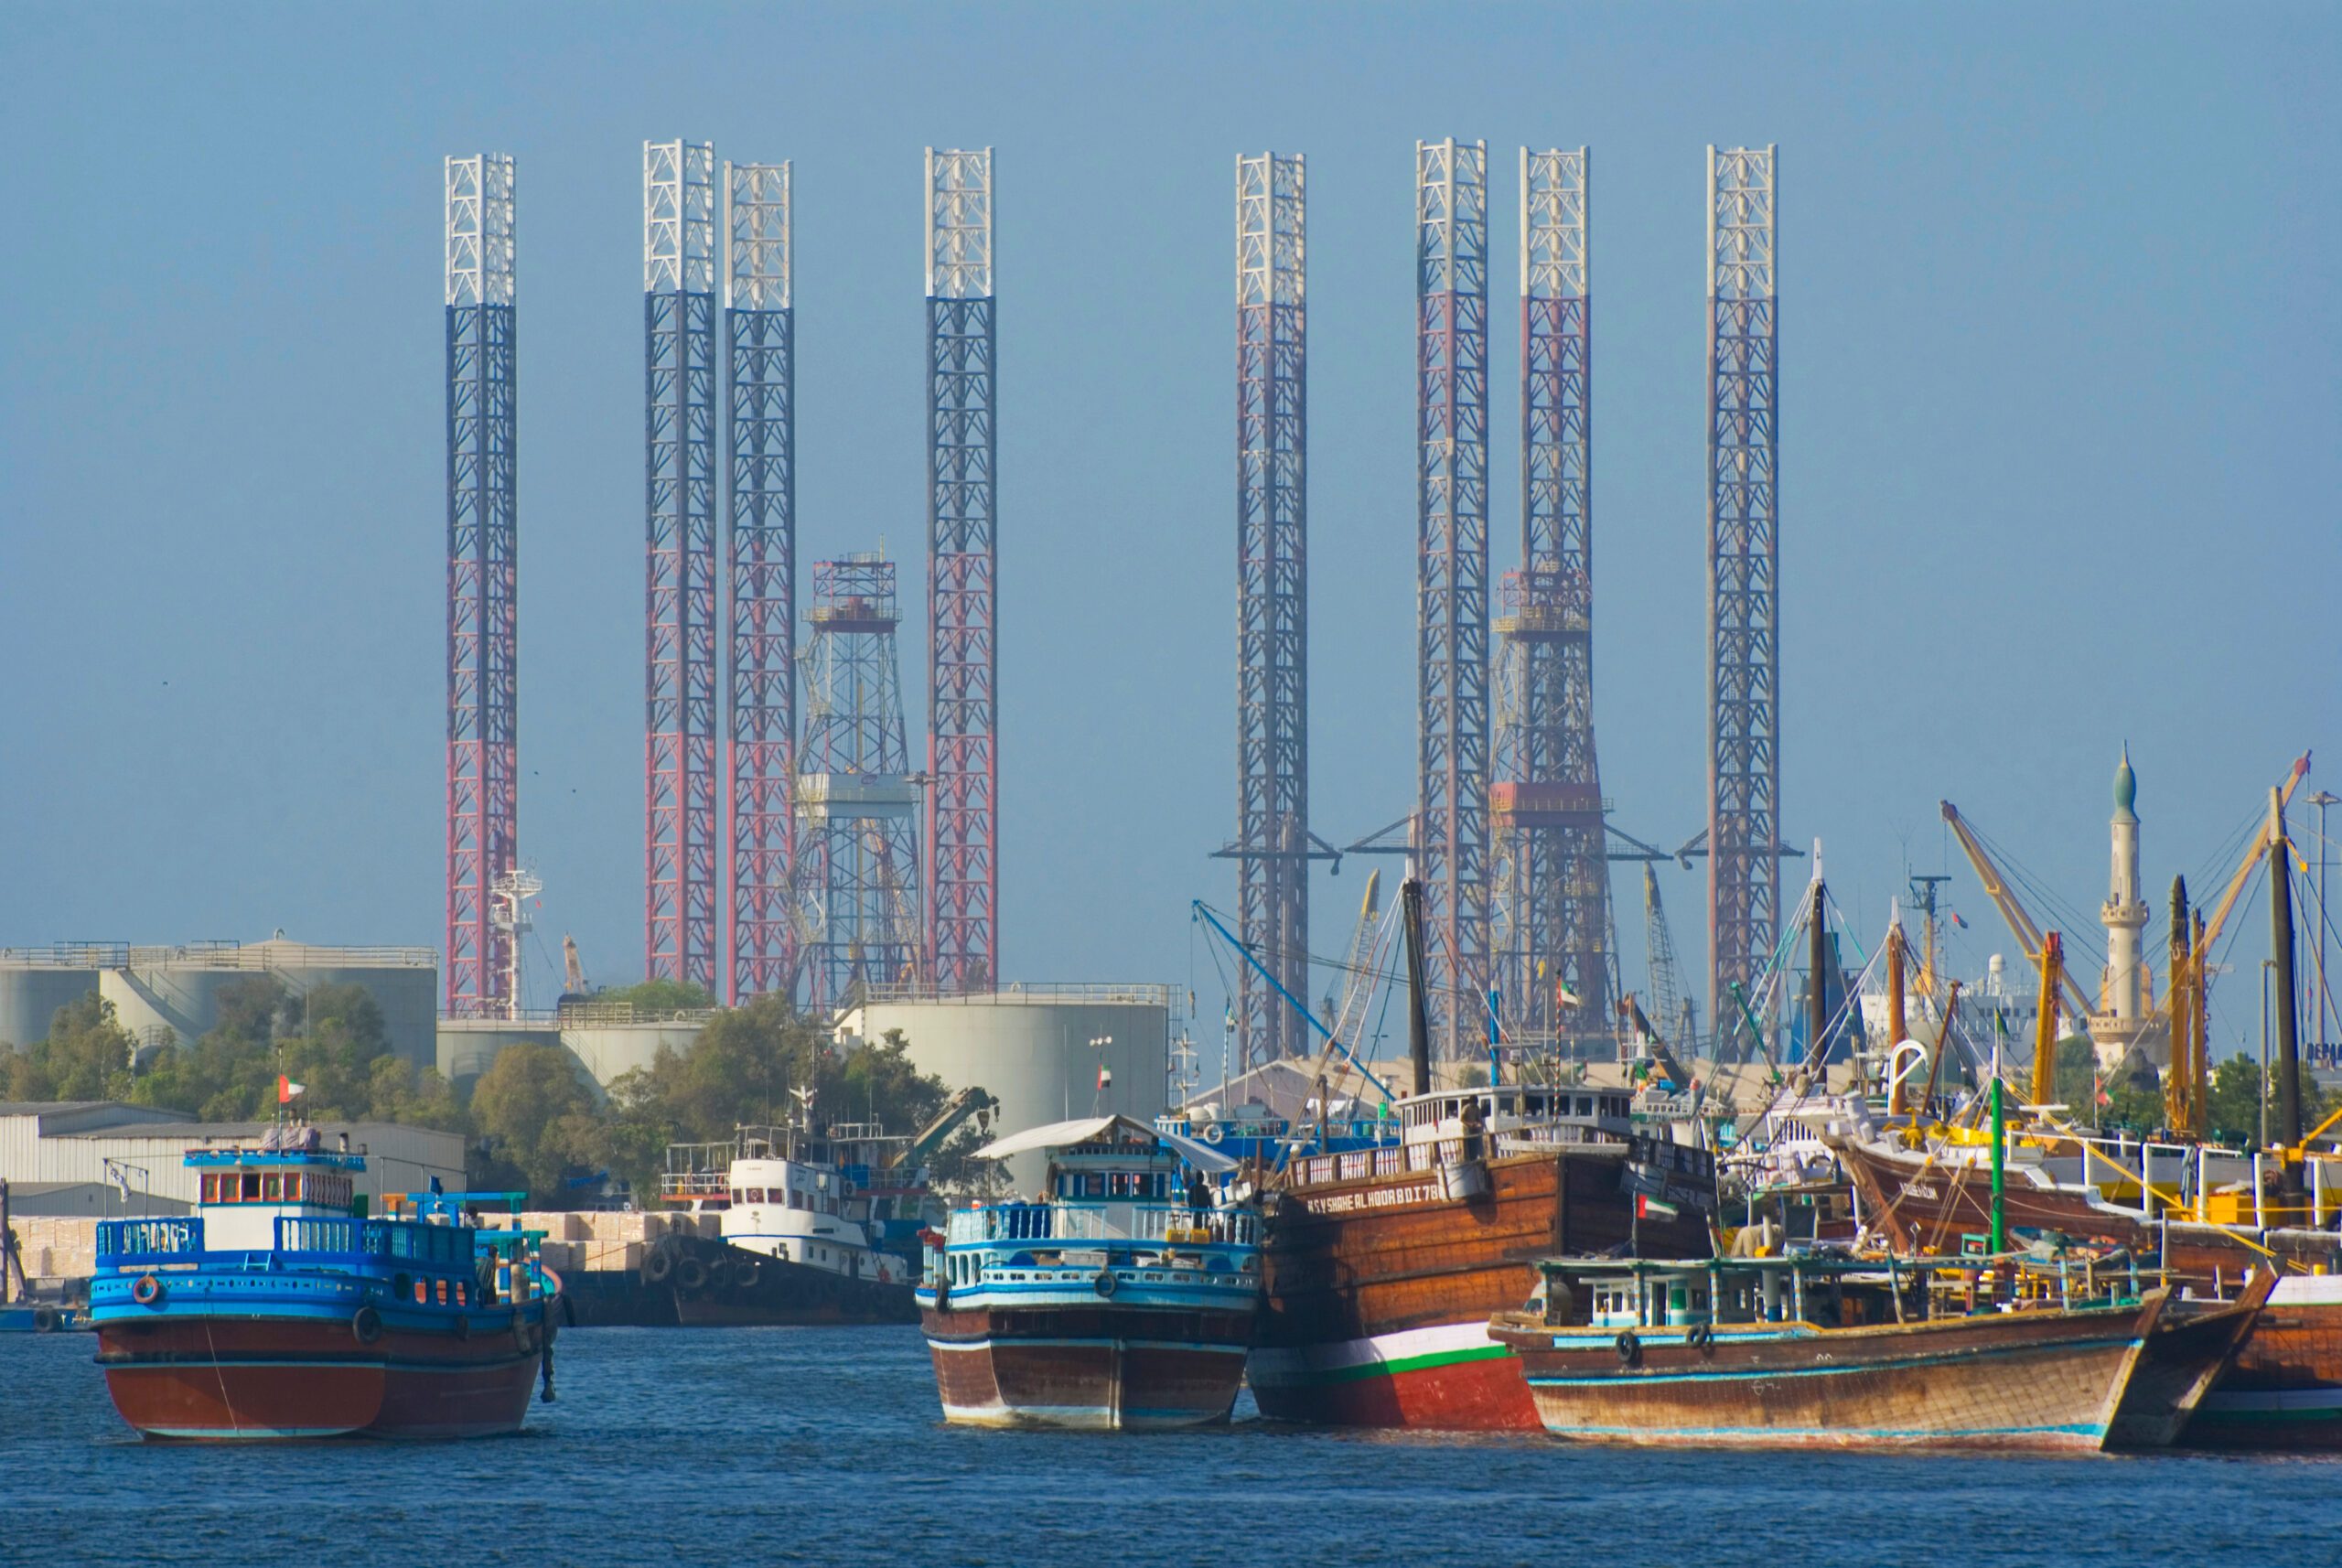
pixel 86 1055
pixel 534 1113
pixel 660 996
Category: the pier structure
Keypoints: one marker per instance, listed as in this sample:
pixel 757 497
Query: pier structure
pixel 962 863
pixel 678 765
pixel 1274 846
pixel 760 606
pixel 1555 951
pixel 483 805
pixel 856 804
pixel 1743 839
pixel 1450 837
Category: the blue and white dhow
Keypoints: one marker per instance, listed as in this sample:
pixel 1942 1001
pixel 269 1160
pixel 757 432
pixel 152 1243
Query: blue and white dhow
pixel 280 1310
pixel 1124 1297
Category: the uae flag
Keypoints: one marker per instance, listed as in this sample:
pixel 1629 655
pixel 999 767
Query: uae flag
pixel 286 1088
pixel 1105 1075
pixel 1653 1208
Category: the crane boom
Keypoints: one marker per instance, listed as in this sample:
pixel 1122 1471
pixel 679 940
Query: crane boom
pixel 969 1102
pixel 2004 899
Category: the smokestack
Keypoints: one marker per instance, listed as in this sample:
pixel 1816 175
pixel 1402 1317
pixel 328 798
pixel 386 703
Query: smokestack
pixel 1410 895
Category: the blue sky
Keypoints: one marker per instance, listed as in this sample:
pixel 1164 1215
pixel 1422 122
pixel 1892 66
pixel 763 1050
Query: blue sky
pixel 2058 401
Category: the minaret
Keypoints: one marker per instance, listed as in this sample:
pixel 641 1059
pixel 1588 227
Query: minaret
pixel 2120 1018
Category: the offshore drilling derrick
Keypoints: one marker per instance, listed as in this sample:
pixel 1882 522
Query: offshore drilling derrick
pixel 678 744
pixel 1555 951
pixel 1451 828
pixel 1273 846
pixel 858 858
pixel 760 551
pixel 1744 607
pixel 482 587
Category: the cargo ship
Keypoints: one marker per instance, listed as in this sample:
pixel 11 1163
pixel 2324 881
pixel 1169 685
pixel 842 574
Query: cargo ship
pixel 1383 1266
pixel 280 1310
pixel 1123 1298
pixel 1808 1353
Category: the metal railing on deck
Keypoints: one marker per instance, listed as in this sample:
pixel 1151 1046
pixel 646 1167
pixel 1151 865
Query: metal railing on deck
pixel 149 1237
pixel 1054 1222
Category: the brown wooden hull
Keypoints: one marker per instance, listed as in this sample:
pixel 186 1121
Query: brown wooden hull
pixel 1103 1367
pixel 2283 1389
pixel 1914 1206
pixel 1380 1288
pixel 2183 1358
pixel 224 1378
pixel 2046 1381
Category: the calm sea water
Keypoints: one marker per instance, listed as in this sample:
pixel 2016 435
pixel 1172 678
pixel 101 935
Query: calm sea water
pixel 824 1446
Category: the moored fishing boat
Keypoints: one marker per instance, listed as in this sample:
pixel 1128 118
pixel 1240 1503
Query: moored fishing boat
pixel 1122 1297
pixel 2283 1389
pixel 279 1310
pixel 1812 1353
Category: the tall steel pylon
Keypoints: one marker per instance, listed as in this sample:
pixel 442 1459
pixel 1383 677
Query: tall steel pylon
pixel 1744 560
pixel 483 808
pixel 1272 842
pixel 962 863
pixel 1556 953
pixel 678 339
pixel 1452 580
pixel 760 610
pixel 858 870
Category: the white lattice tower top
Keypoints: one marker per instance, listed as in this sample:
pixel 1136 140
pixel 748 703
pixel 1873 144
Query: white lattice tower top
pixel 479 230
pixel 1553 225
pixel 1740 222
pixel 958 223
pixel 678 217
pixel 1270 225
pixel 1452 216
pixel 760 262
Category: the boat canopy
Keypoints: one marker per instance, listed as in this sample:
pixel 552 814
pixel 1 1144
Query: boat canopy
pixel 1088 1129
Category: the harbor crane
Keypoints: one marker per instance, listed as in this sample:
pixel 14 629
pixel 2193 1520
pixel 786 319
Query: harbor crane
pixel 1996 888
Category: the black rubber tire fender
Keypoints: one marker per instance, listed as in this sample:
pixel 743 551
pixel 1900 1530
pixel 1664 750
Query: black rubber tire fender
pixel 691 1276
pixel 744 1275
pixel 1630 1349
pixel 1106 1285
pixel 44 1320
pixel 1701 1338
pixel 366 1323
pixel 657 1265
pixel 719 1274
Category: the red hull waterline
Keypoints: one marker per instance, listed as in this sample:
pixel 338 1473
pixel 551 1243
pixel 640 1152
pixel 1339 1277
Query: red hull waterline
pixel 262 1379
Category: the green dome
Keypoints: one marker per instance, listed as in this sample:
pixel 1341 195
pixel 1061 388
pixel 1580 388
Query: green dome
pixel 2126 786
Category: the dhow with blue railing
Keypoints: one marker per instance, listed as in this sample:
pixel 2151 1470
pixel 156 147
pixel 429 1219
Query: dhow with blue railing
pixel 282 1309
pixel 1123 1296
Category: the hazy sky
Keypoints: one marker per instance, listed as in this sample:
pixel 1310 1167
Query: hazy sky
pixel 2058 396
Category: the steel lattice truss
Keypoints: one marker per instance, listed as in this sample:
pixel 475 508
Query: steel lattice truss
pixel 1452 580
pixel 1743 551
pixel 482 801
pixel 679 333
pixel 962 863
pixel 761 540
pixel 1272 600
pixel 857 868
pixel 1552 922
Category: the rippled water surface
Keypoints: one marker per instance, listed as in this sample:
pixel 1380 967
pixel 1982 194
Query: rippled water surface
pixel 824 1446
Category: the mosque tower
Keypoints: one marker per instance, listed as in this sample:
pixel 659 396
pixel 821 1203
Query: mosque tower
pixel 2125 1015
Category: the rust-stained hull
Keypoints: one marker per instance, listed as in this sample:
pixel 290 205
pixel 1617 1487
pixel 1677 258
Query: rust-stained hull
pixel 2283 1389
pixel 222 1377
pixel 1102 1367
pixel 2028 1380
pixel 1380 1288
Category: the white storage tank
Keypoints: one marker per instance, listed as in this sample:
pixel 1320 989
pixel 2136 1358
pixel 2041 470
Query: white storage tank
pixel 1037 1048
pixel 35 981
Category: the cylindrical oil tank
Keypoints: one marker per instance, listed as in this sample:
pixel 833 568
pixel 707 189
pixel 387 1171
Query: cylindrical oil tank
pixel 404 983
pixel 1038 1050
pixel 469 1046
pixel 33 986
pixel 608 1048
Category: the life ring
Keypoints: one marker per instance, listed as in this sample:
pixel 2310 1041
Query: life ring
pixel 1105 1284
pixel 44 1320
pixel 147 1291
pixel 657 1266
pixel 744 1275
pixel 691 1276
pixel 462 1327
pixel 1630 1349
pixel 366 1323
pixel 1213 1132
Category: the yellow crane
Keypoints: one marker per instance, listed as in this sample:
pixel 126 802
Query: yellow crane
pixel 2004 899
pixel 2045 1025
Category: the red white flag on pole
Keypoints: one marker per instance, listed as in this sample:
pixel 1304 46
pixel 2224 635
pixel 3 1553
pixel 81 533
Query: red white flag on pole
pixel 1105 1075
pixel 286 1088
